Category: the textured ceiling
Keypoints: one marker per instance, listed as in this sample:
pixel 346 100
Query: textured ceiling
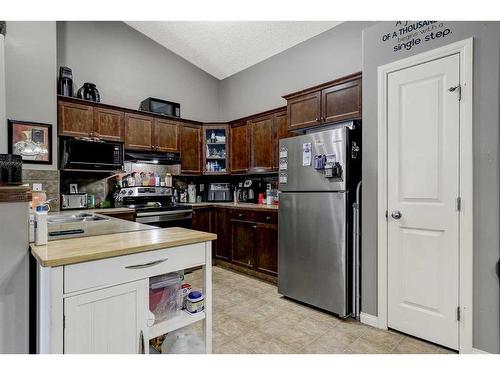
pixel 224 48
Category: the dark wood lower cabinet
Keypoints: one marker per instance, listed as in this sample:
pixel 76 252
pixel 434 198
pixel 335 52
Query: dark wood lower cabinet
pixel 245 238
pixel 266 248
pixel 242 239
pixel 202 219
pixel 222 246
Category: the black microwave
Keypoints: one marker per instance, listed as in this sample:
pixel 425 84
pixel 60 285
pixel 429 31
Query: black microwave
pixel 91 155
pixel 162 107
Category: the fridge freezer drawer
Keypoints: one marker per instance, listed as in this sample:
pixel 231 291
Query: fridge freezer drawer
pixel 312 257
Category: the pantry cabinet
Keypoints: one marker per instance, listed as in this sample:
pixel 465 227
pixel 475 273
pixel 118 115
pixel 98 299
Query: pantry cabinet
pixel 107 321
pixel 334 101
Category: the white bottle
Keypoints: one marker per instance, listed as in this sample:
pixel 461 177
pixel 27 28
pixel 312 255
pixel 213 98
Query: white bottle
pixel 41 230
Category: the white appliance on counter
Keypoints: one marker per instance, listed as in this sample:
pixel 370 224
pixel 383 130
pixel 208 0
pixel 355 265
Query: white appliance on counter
pixel 14 276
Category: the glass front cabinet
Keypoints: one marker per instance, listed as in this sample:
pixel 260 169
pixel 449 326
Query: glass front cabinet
pixel 215 149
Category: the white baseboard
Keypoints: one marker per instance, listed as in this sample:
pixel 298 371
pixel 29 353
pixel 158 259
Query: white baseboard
pixel 368 319
pixel 479 351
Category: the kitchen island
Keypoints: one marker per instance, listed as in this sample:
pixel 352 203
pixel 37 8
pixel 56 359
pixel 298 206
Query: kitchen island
pixel 93 292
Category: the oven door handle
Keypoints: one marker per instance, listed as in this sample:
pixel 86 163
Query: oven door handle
pixel 156 213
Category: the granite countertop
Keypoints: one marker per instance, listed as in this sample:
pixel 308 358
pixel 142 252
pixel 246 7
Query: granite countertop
pixel 93 228
pixel 248 206
pixel 77 250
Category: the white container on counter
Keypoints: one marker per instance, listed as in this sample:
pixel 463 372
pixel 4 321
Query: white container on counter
pixel 41 226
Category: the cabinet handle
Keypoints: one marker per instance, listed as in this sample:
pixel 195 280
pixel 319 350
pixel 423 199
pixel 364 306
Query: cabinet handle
pixel 268 218
pixel 254 226
pixel 146 265
pixel 240 215
pixel 317 119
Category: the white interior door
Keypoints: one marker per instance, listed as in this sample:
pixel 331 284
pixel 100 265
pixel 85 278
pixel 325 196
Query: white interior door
pixel 423 187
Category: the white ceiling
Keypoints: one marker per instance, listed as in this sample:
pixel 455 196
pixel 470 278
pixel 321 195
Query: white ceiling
pixel 224 48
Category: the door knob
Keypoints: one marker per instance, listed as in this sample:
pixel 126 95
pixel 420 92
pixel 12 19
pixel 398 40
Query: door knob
pixel 396 215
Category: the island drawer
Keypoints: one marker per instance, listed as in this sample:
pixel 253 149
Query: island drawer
pixel 126 268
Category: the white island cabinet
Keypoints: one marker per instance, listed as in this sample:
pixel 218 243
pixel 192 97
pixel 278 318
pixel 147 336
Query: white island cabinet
pixel 102 306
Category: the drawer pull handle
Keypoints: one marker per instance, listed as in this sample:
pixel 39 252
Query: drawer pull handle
pixel 268 217
pixel 146 265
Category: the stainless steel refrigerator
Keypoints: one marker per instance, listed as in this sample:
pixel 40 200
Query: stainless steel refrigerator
pixel 318 175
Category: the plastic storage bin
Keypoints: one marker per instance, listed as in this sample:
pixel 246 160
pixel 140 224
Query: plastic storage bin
pixel 164 295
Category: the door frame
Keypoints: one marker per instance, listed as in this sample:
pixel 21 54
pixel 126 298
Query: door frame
pixel 465 50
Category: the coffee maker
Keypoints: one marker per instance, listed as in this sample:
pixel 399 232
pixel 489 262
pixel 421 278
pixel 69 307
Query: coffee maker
pixel 246 192
pixel 65 81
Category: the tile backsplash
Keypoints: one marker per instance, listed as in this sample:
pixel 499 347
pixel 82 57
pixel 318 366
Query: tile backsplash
pixel 50 183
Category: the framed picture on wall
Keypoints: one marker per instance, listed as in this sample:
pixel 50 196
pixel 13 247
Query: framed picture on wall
pixel 31 140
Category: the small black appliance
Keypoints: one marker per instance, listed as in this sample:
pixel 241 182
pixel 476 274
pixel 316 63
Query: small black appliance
pixel 162 107
pixel 89 92
pixel 65 81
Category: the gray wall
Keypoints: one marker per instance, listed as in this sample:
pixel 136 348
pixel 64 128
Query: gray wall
pixel 128 67
pixel 30 78
pixel 332 54
pixel 486 172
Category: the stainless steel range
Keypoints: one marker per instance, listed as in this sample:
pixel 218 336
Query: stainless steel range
pixel 155 206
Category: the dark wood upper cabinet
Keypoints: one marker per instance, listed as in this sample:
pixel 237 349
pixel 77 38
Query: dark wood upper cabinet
pixel 240 147
pixel 281 126
pixel 190 140
pixel 262 142
pixel 341 102
pixel 266 248
pixel 166 135
pixel 334 101
pixel 304 111
pixel 138 132
pixel 75 119
pixel 109 124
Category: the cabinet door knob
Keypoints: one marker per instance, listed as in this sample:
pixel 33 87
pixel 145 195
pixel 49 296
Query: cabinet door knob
pixel 268 218
pixel 240 215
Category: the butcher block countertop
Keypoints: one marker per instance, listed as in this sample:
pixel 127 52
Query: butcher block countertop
pixel 83 249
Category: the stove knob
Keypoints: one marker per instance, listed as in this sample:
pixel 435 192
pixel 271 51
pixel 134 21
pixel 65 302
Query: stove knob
pixel 123 192
pixel 130 192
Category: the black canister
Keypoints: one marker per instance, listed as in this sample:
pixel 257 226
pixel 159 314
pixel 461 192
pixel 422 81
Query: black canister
pixel 11 169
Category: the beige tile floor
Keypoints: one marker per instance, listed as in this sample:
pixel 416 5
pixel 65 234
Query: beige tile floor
pixel 249 316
